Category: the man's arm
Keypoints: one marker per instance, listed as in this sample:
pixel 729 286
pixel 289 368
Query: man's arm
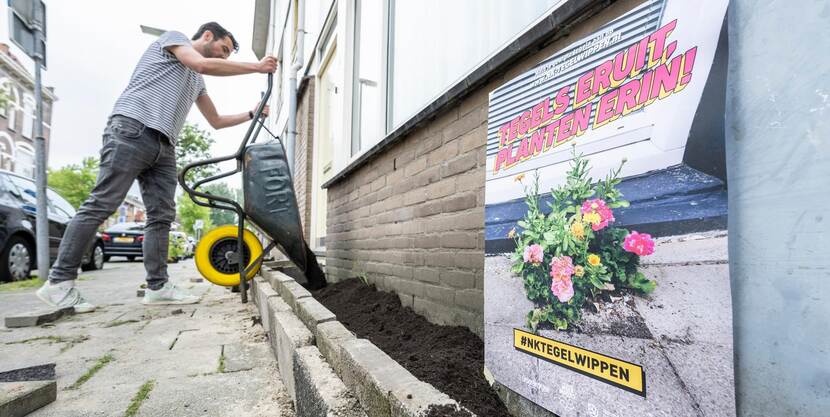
pixel 218 121
pixel 217 66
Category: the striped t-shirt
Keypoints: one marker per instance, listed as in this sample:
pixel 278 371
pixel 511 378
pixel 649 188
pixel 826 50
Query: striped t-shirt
pixel 161 89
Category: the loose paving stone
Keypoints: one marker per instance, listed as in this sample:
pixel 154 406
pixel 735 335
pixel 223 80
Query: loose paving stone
pixel 18 399
pixel 32 373
pixel 36 318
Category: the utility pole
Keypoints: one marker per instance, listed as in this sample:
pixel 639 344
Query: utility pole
pixel 42 227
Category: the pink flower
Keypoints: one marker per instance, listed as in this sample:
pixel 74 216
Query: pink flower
pixel 639 243
pixel 597 213
pixel 563 289
pixel 533 254
pixel 561 267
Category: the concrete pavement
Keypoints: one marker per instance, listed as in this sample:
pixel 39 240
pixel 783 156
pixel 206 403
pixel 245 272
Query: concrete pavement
pixel 207 359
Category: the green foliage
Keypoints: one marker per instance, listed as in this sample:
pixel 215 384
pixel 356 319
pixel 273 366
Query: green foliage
pixel 221 217
pixel 175 248
pixel 74 182
pixel 189 212
pixel 192 145
pixel 564 232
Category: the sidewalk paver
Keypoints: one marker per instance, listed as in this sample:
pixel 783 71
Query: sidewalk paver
pixel 206 359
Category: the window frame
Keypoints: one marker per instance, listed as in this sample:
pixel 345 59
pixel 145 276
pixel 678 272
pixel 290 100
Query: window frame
pixel 357 149
pixel 29 117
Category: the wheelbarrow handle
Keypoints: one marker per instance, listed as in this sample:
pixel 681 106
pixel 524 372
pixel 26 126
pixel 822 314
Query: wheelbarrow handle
pixel 240 153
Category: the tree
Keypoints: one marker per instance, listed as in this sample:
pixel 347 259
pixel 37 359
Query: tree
pixel 73 182
pixel 217 216
pixel 193 145
pixel 189 212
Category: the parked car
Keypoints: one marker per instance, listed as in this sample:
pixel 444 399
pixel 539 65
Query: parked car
pixel 18 208
pixel 124 239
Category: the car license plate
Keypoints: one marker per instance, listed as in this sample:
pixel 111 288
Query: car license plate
pixel 124 240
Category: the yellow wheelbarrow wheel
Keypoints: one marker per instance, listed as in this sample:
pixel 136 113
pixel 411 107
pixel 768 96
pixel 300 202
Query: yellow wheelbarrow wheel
pixel 213 250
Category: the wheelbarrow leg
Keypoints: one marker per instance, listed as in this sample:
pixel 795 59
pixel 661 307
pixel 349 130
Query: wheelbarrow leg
pixel 240 256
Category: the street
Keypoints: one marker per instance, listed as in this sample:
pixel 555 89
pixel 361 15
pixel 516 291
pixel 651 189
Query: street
pixel 206 359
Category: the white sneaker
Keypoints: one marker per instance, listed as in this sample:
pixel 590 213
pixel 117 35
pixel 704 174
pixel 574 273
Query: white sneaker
pixel 168 294
pixel 63 295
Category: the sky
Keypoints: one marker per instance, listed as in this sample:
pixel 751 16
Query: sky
pixel 93 46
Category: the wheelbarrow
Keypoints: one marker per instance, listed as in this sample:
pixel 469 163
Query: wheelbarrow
pixel 231 255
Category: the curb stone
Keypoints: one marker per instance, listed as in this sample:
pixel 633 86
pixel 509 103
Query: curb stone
pixel 289 334
pixel 319 391
pixel 312 314
pixel 329 337
pixel 382 386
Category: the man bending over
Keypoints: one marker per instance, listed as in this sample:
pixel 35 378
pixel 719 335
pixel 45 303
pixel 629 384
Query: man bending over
pixel 139 142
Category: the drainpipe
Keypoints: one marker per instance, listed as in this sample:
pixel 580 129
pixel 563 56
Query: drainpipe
pixel 292 86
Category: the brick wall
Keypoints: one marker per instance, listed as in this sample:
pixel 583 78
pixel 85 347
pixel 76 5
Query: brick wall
pixel 411 219
pixel 303 154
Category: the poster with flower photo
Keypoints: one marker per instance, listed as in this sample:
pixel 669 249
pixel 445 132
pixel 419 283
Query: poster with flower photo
pixel 606 283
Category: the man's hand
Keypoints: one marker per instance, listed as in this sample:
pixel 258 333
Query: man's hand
pixel 268 64
pixel 265 110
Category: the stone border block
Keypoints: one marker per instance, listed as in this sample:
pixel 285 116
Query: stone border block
pixel 292 292
pixel 320 393
pixel 288 335
pixel 287 287
pixel 312 313
pixel 384 387
pixel 329 337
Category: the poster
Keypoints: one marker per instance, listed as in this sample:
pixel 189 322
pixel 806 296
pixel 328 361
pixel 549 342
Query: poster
pixel 606 270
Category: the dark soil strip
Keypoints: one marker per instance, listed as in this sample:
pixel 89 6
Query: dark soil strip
pixel 448 357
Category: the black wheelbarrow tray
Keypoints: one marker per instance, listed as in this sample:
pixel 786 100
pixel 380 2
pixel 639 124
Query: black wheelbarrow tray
pixel 270 205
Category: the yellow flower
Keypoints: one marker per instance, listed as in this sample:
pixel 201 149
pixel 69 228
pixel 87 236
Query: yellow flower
pixel 512 233
pixel 519 178
pixel 593 260
pixel 579 270
pixel 592 217
pixel 578 230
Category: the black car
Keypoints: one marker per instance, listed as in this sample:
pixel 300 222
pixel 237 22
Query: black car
pixel 124 239
pixel 18 207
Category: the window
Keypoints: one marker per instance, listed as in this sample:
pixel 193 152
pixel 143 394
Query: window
pixel 368 125
pixel 435 43
pixel 6 151
pixel 25 161
pixel 25 189
pixel 59 205
pixel 10 110
pixel 28 117
pixel 328 130
pixel 6 100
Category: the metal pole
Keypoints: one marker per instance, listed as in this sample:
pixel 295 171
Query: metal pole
pixel 42 227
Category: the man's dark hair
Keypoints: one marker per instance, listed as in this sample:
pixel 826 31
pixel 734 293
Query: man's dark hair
pixel 218 33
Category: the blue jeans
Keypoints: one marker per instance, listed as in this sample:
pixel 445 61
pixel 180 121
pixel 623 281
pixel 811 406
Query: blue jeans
pixel 130 150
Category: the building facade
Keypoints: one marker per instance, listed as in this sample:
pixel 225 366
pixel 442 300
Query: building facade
pixel 390 136
pixel 17 118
